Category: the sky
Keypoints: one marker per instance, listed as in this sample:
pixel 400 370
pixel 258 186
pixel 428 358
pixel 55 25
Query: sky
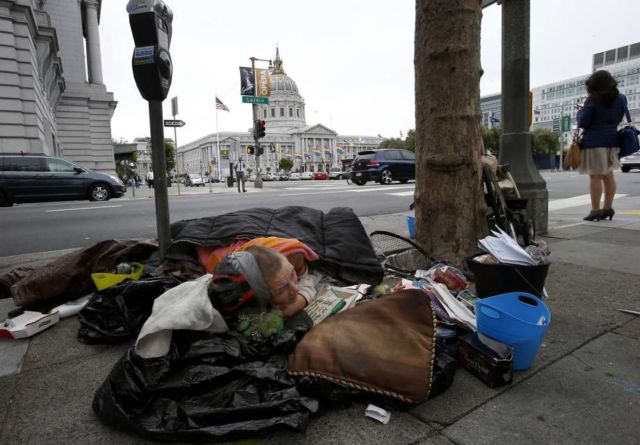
pixel 352 60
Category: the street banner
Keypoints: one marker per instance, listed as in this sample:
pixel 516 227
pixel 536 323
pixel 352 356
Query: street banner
pixel 263 82
pixel 247 81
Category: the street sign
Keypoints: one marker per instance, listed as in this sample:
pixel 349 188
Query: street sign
pixel 556 124
pixel 566 123
pixel 174 106
pixel 174 123
pixel 254 100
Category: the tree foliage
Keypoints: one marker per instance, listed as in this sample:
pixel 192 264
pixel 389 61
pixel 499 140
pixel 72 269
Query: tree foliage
pixel 409 142
pixel 491 139
pixel 285 164
pixel 544 142
pixel 169 154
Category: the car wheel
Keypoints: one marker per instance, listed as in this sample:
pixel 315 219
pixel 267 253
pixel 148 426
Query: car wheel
pixel 386 177
pixel 360 181
pixel 4 202
pixel 625 169
pixel 99 192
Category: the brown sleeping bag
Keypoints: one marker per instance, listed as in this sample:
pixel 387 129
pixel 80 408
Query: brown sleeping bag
pixel 385 346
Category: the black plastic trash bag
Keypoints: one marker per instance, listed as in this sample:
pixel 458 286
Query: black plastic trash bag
pixel 208 387
pixel 117 314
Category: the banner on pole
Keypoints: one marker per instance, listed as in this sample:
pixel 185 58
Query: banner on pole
pixel 247 81
pixel 263 83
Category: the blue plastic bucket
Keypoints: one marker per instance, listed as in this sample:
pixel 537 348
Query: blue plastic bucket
pixel 411 223
pixel 517 319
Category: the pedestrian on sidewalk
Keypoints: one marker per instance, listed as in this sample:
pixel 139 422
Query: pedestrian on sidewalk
pixel 150 179
pixel 599 117
pixel 240 170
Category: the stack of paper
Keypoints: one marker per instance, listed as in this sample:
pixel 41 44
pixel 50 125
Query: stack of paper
pixel 505 249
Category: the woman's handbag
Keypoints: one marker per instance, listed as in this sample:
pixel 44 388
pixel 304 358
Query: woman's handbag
pixel 628 137
pixel 572 158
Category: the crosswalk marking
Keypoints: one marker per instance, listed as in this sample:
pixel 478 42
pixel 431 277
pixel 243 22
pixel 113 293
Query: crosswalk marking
pixel 574 201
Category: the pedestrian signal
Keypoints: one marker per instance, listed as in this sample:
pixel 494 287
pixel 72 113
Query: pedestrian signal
pixel 250 150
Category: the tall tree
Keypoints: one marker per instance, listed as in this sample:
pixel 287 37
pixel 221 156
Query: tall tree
pixel 450 211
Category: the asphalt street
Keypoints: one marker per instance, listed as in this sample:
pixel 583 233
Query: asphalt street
pixel 30 228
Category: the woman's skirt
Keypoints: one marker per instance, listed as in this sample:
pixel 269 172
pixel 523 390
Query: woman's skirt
pixel 598 160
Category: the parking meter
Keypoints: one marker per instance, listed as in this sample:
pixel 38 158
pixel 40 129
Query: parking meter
pixel 150 22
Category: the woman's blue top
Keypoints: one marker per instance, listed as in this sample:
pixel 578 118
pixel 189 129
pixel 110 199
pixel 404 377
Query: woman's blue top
pixel 600 122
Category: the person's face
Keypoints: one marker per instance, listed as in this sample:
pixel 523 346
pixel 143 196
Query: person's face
pixel 283 285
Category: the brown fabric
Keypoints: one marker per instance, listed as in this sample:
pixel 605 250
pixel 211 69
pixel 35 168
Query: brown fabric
pixel 10 278
pixel 69 276
pixel 385 346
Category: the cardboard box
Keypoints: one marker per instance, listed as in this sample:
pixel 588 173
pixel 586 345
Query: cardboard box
pixel 487 359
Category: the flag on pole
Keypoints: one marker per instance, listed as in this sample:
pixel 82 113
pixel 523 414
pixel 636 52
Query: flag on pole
pixel 220 105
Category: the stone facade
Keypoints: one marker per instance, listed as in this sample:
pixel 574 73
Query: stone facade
pixel 309 147
pixel 47 103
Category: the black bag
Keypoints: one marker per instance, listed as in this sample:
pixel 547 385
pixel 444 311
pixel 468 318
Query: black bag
pixel 628 137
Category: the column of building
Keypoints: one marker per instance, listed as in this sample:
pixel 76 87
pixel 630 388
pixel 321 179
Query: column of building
pixel 93 42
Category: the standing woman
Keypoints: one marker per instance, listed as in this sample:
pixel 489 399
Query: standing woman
pixel 602 112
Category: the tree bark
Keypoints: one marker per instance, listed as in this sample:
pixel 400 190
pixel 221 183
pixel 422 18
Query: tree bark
pixel 450 208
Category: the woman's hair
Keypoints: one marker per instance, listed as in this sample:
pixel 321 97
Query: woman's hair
pixel 602 87
pixel 269 261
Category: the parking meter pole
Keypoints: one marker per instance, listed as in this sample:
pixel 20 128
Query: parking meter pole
pixel 175 154
pixel 159 175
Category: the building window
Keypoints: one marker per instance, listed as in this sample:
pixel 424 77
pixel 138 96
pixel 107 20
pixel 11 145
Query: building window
pixel 290 112
pixel 264 114
pixel 273 112
pixel 297 112
pixel 281 112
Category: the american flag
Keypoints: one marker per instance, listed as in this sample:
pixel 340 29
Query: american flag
pixel 220 105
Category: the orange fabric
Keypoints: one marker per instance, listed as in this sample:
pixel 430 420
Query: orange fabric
pixel 209 257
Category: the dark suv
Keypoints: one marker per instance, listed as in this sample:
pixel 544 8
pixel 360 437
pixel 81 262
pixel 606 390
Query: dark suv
pixel 36 178
pixel 383 166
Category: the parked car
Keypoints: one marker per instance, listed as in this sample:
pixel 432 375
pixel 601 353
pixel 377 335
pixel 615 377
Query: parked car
pixel 384 166
pixel 294 177
pixel 306 175
pixel 630 162
pixel 269 177
pixel 320 176
pixel 336 173
pixel 37 178
pixel 283 177
pixel 194 180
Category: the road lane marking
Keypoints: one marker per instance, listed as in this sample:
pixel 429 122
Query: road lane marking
pixel 358 190
pixel 82 208
pixel 574 201
pixel 409 193
pixel 377 189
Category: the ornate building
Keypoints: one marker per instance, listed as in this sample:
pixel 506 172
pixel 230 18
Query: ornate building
pixel 52 99
pixel 310 147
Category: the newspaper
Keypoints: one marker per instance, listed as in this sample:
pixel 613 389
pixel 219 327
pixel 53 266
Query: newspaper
pixel 332 300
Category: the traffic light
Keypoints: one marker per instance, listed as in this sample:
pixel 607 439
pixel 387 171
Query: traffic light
pixel 259 129
pixel 260 150
pixel 250 150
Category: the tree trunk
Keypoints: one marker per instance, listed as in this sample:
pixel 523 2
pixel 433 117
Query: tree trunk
pixel 450 209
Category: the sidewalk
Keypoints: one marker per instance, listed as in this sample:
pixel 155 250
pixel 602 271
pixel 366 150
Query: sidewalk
pixel 584 387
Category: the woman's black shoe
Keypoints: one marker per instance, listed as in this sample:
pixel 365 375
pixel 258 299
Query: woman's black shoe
pixel 608 213
pixel 594 215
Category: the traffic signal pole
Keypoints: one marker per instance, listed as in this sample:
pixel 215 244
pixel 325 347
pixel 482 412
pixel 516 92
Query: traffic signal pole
pixel 256 142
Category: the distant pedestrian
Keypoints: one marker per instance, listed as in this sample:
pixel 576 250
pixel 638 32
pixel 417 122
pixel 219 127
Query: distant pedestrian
pixel 150 179
pixel 240 170
pixel 599 117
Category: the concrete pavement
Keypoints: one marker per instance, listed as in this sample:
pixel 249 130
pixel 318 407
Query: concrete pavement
pixel 583 388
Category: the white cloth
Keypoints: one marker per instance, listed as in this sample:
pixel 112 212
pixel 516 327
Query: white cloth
pixel 186 306
pixel 150 176
pixel 308 285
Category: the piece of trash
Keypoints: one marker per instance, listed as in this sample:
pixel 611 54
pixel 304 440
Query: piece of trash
pixel 629 311
pixel 72 307
pixel 375 412
pixel 28 324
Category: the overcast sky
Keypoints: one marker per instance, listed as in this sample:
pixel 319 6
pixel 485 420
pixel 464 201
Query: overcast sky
pixel 352 60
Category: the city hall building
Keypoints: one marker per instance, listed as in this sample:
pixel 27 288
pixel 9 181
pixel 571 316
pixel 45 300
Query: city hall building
pixel 552 101
pixel 53 99
pixel 310 147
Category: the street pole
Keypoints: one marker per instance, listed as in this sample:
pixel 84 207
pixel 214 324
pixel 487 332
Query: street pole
pixel 256 142
pixel 159 175
pixel 515 143
pixel 175 154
